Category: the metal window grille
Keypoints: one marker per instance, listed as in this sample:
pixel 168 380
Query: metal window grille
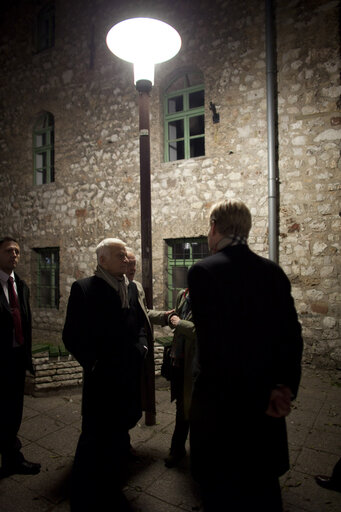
pixel 47 277
pixel 182 254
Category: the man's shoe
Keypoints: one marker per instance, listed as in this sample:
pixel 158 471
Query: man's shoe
pixel 328 483
pixel 174 459
pixel 23 467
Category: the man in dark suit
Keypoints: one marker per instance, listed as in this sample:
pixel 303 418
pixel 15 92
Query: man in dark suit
pixel 15 359
pixel 104 331
pixel 249 356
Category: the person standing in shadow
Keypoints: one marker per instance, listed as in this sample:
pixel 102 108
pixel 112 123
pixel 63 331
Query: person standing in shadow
pixel 104 331
pixel 249 349
pixel 15 359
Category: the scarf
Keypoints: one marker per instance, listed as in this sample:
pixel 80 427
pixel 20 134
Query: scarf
pixel 119 285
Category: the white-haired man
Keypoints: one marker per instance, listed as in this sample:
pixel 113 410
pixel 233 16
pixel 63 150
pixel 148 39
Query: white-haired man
pixel 249 354
pixel 104 331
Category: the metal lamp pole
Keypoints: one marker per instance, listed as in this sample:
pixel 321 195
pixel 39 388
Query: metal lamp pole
pixel 145 42
pixel 144 87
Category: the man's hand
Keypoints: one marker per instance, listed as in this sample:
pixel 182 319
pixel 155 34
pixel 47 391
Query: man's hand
pixel 280 402
pixel 174 320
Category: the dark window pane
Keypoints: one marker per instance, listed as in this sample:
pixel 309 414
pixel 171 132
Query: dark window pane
pixel 52 167
pixel 196 125
pixel 176 151
pixel 176 129
pixel 45 278
pixel 181 251
pixel 45 297
pixel 180 277
pixel 199 250
pixel 175 104
pixel 196 99
pixel 197 147
pixel 45 28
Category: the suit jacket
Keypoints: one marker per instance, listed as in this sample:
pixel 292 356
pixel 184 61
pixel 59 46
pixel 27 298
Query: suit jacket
pixel 7 326
pixel 108 342
pixel 184 334
pixel 249 341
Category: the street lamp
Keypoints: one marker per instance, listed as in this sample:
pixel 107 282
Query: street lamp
pixel 144 42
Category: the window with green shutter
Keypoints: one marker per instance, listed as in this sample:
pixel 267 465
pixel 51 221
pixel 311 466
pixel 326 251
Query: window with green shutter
pixel 182 254
pixel 184 104
pixel 43 149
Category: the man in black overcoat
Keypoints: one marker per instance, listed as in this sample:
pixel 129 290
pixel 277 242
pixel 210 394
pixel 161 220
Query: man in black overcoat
pixel 104 331
pixel 249 367
pixel 15 359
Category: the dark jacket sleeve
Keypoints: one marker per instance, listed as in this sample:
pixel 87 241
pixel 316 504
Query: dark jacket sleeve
pixel 76 336
pixel 26 317
pixel 288 339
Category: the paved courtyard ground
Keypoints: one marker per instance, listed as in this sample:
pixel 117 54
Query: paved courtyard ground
pixel 51 427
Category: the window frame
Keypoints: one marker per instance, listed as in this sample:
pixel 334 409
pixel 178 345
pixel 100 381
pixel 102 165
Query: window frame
pixel 186 114
pixel 44 127
pixel 174 262
pixel 53 286
pixel 45 28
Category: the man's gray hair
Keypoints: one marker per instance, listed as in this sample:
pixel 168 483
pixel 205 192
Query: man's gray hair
pixel 232 218
pixel 107 242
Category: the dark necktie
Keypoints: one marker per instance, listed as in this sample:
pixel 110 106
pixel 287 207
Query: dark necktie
pixel 15 310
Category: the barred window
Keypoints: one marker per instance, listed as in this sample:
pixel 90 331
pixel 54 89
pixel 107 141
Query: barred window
pixel 182 254
pixel 47 277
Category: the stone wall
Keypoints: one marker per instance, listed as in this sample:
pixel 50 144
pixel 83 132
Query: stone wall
pixel 96 188
pixel 57 370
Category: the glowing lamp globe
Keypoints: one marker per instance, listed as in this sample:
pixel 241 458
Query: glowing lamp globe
pixel 144 42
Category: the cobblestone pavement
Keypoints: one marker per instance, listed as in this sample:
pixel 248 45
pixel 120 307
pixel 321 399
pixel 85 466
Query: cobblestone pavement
pixel 51 427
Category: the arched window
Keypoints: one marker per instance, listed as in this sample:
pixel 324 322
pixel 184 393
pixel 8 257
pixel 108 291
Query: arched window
pixel 43 149
pixel 184 103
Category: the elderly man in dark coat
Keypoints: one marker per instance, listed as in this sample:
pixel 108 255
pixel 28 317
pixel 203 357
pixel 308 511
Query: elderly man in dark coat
pixel 104 331
pixel 249 355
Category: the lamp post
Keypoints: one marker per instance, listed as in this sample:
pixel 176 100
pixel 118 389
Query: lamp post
pixel 145 42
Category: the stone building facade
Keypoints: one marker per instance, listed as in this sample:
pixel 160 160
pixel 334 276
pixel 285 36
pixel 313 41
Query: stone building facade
pixel 95 192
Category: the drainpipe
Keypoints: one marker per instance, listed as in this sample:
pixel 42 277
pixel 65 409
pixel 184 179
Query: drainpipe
pixel 271 90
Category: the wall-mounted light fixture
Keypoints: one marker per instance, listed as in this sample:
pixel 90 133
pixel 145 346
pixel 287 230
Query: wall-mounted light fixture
pixel 215 115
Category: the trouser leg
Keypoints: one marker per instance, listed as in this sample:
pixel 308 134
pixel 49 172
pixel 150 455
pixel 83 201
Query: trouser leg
pixel 12 383
pixel 242 495
pixel 98 472
pixel 336 475
pixel 181 429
